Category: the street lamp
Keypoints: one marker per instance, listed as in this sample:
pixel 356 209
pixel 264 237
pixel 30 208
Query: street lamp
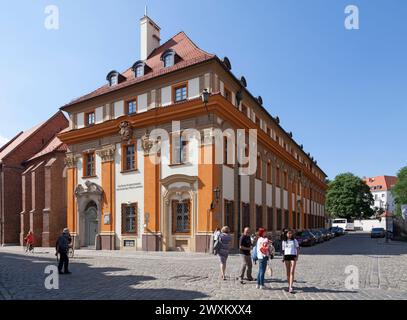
pixel 389 221
pixel 205 99
pixel 299 212
pixel 205 96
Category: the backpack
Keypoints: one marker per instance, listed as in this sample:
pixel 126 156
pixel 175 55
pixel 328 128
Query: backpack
pixel 254 254
pixel 217 245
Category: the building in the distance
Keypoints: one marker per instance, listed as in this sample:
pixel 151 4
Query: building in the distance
pixel 44 194
pixel 380 187
pixel 18 175
pixel 119 198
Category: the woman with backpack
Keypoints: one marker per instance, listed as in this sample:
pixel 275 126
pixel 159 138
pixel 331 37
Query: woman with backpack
pixel 291 252
pixel 262 255
pixel 224 240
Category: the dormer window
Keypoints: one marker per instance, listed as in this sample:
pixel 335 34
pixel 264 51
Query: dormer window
pixel 114 78
pixel 139 71
pixel 140 68
pixel 168 57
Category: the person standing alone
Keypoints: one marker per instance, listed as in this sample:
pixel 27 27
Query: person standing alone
pixel 62 247
pixel 291 253
pixel 245 245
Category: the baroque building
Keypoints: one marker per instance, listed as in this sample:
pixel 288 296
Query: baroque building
pixel 144 170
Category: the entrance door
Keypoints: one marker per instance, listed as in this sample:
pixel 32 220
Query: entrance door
pixel 91 226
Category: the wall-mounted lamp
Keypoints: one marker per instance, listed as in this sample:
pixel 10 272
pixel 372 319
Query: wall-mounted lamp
pixel 205 96
pixel 217 194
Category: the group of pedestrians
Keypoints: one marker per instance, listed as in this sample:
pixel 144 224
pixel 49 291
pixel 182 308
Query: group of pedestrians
pixel 62 245
pixel 258 249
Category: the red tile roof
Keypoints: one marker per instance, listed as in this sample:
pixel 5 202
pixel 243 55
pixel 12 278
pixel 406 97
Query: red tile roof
pixel 17 140
pixel 383 183
pixel 21 137
pixel 184 47
pixel 54 145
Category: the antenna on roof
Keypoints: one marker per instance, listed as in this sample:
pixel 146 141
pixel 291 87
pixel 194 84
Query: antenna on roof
pixel 145 10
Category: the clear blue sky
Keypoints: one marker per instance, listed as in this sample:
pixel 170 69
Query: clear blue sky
pixel 342 93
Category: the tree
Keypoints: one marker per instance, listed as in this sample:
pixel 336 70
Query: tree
pixel 349 197
pixel 399 190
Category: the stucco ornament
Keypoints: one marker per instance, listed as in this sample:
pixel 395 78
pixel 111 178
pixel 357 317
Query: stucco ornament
pixel 126 131
pixel 146 143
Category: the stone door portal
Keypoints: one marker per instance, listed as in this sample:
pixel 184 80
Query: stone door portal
pixel 91 226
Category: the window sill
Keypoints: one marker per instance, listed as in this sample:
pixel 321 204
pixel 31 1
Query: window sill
pixel 181 233
pixel 129 234
pixel 130 171
pixel 180 164
pixel 179 101
pixel 89 177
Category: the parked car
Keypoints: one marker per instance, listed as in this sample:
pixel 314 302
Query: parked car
pixel 326 234
pixel 305 238
pixel 350 226
pixel 318 236
pixel 378 233
pixel 335 230
pixel 341 231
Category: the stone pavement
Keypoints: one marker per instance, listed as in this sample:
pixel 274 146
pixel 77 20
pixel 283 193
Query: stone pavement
pixel 382 270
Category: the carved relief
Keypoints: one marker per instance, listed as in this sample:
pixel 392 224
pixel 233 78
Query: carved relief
pixel 126 131
pixel 70 161
pixel 91 188
pixel 107 153
pixel 146 143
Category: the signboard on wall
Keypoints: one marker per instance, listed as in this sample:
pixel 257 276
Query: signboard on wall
pixel 129 186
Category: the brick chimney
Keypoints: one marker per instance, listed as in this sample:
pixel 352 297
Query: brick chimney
pixel 149 36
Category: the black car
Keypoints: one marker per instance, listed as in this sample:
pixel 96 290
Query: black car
pixel 326 234
pixel 378 233
pixel 318 235
pixel 305 238
pixel 335 231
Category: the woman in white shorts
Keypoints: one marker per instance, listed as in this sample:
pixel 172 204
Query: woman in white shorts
pixel 291 251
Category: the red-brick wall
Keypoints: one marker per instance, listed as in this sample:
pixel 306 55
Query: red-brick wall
pixel 26 205
pixel 55 199
pixel 11 193
pixel 11 205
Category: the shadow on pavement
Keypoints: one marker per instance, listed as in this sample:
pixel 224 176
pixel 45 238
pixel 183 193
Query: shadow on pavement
pixel 357 243
pixel 23 277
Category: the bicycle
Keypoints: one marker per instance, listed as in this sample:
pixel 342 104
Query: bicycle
pixel 71 250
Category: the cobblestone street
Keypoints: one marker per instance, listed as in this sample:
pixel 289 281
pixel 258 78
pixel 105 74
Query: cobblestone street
pixel 178 275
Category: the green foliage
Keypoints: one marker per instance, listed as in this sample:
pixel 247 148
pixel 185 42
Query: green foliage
pixel 399 191
pixel 349 197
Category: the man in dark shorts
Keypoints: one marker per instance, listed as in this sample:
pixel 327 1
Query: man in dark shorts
pixel 245 245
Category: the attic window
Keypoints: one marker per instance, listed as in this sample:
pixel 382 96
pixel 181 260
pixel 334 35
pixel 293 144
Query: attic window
pixel 168 57
pixel 114 78
pixel 140 68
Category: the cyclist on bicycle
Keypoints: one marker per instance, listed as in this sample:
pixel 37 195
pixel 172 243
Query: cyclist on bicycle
pixel 29 242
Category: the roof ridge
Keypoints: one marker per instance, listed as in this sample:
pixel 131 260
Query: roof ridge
pixel 4 146
pixel 37 128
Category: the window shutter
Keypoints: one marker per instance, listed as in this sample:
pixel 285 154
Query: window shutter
pixel 136 219
pixel 174 216
pixel 123 218
pixel 188 204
